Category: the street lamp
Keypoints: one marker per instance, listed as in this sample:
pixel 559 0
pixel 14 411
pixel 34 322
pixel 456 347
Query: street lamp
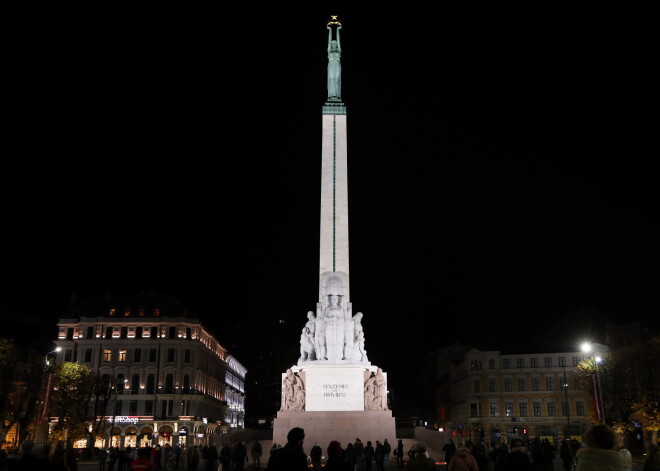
pixel 568 406
pixel 598 392
pixel 114 410
pixel 54 351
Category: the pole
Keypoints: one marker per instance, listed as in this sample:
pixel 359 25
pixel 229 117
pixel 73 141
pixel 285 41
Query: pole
pixel 568 406
pixel 601 412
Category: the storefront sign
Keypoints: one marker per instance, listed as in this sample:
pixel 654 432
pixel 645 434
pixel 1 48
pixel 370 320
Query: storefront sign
pixel 124 419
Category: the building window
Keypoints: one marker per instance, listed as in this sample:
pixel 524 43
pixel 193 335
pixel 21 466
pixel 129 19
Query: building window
pixel 476 365
pixel 548 362
pixel 107 354
pixel 138 332
pixel 537 409
pixel 579 408
pixel 521 383
pixel 152 355
pixel 508 387
pixel 154 332
pixel 186 384
pixel 549 383
pixel 132 408
pixel 150 384
pixel 474 410
pixel 508 406
pixel 68 355
pixel 492 385
pixel 135 383
pixel 522 407
pixel 493 409
pixel 149 408
pixel 186 357
pixel 172 332
pixel 108 333
pixel 118 407
pixel 564 408
pixel 562 361
pixel 90 333
pixel 169 384
pixel 122 355
pixel 551 409
pixel 491 363
pixel 520 362
pixel 535 383
pixel 506 363
pixel 576 361
pixel 120 384
pixel 88 355
pixel 477 386
pixel 534 362
pixel 170 354
pixel 137 355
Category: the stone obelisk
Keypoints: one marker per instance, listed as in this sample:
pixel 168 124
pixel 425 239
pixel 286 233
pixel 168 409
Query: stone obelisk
pixel 334 392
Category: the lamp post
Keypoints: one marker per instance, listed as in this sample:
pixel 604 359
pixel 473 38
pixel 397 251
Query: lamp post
pixel 54 351
pixel 568 406
pixel 114 408
pixel 598 393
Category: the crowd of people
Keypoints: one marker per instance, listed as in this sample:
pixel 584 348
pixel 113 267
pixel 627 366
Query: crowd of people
pixel 601 450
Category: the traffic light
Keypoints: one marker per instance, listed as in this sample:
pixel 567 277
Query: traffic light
pixel 524 431
pixel 516 430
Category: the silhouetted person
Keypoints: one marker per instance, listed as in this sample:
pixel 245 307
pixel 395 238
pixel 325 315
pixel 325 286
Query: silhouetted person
pixel 315 454
pixel 291 456
pixel 369 453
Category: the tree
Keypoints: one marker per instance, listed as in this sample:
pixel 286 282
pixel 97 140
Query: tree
pixel 21 374
pixel 630 384
pixel 72 400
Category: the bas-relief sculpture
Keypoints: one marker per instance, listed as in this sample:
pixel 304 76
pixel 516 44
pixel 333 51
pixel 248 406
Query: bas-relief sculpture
pixel 375 391
pixel 293 392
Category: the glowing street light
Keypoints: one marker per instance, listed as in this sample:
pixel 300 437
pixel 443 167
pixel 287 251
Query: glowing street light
pixel 54 351
pixel 598 393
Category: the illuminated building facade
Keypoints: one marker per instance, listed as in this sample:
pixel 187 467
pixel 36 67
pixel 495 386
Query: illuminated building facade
pixel 172 381
pixel 497 396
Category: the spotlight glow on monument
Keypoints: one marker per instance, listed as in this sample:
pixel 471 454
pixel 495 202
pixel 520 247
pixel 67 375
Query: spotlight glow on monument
pixel 334 392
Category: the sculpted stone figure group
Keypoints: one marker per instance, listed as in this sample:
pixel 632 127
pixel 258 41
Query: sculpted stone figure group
pixel 293 392
pixel 375 392
pixel 333 335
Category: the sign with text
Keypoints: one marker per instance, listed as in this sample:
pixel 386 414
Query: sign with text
pixel 334 388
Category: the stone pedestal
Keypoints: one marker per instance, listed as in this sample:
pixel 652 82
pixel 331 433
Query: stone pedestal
pixel 335 407
pixel 344 426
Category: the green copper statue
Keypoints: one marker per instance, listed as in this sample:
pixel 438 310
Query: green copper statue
pixel 334 62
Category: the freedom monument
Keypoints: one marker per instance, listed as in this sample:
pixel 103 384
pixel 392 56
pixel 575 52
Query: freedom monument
pixel 334 392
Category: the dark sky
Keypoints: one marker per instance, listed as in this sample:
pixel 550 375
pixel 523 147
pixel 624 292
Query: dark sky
pixel 500 177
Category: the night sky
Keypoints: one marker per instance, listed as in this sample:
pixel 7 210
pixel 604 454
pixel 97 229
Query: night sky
pixel 500 182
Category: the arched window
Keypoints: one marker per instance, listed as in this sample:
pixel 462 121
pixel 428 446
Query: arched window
pixel 120 384
pixel 186 384
pixel 169 384
pixel 150 384
pixel 135 383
